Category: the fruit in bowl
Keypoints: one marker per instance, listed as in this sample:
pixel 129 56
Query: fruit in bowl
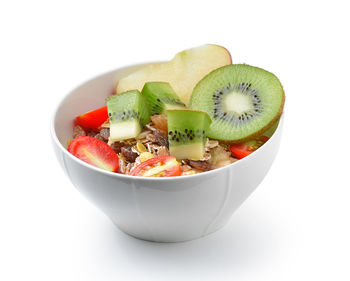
pixel 160 167
pixel 202 106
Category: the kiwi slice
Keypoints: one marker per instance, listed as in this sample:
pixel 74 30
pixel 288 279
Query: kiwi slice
pixel 243 101
pixel 187 133
pixel 128 112
pixel 161 97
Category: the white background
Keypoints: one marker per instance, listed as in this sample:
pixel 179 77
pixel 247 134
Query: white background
pixel 296 226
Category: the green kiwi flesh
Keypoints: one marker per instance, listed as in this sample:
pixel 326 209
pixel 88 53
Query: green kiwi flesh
pixel 187 133
pixel 243 101
pixel 161 97
pixel 128 112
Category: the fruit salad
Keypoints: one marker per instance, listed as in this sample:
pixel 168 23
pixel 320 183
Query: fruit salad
pixel 195 113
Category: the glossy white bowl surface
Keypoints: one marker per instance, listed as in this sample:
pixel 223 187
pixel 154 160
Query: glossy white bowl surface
pixel 156 209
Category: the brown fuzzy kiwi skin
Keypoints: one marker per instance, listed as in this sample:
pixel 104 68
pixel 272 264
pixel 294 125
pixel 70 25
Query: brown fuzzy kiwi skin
pixel 262 130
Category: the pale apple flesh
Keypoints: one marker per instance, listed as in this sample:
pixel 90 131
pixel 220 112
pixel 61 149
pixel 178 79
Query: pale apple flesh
pixel 183 72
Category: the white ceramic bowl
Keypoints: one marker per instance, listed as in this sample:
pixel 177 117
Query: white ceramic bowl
pixel 156 209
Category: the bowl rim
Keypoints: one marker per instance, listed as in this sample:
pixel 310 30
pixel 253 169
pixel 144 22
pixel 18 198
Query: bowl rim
pixel 123 176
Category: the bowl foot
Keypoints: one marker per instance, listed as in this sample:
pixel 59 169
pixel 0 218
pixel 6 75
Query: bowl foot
pixel 164 239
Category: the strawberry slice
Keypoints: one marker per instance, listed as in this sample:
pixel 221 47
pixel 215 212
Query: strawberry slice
pixel 92 119
pixel 159 166
pixel 242 150
pixel 94 152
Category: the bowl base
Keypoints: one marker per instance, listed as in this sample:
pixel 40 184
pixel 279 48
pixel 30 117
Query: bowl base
pixel 166 239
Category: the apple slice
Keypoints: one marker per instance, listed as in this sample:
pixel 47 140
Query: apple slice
pixel 183 72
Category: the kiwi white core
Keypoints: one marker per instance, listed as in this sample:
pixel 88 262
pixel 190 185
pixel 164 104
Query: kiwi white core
pixel 237 103
pixel 124 130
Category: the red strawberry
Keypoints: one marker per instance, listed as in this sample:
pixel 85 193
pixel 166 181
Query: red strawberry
pixel 244 149
pixel 92 119
pixel 94 152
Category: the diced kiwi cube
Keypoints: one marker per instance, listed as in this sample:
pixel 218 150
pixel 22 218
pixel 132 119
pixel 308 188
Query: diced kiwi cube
pixel 161 97
pixel 187 133
pixel 128 112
